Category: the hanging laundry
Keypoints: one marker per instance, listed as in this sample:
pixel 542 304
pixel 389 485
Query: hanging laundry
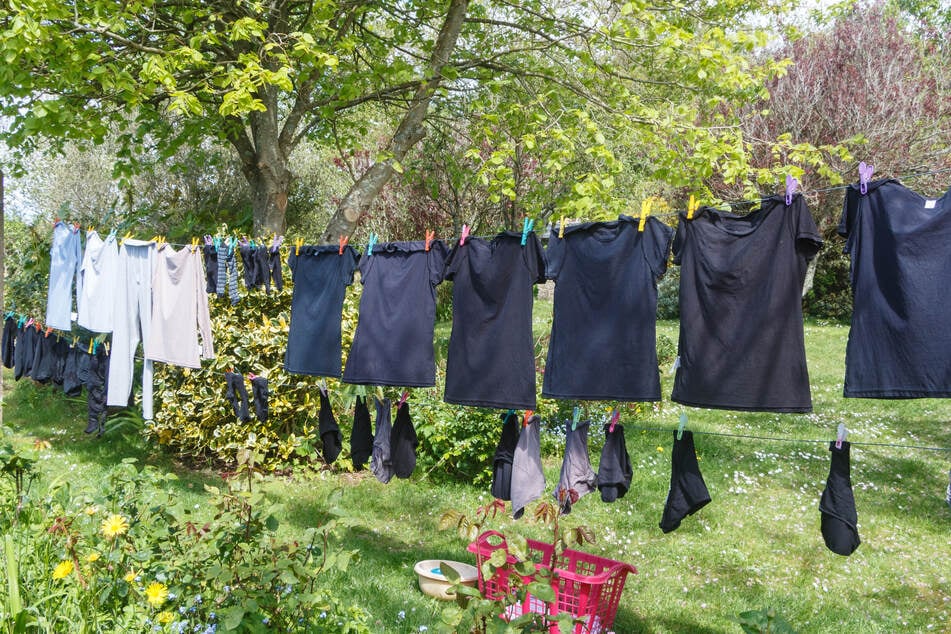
pixel 361 436
pixel 179 310
pixel 23 352
pixel 688 492
pixel 380 464
pixel 99 274
pixel 8 345
pixel 260 396
pixel 528 477
pixel 237 395
pixel 60 352
pixel 491 358
pixel 43 361
pixel 270 263
pixel 504 455
pixel 393 343
pixel 249 260
pixel 837 505
pixel 210 253
pixel 227 271
pixel 603 337
pixel 403 443
pixel 133 321
pixel 741 330
pixel 577 478
pixel 321 276
pixel 614 469
pixel 329 431
pixel 897 240
pixel 96 387
pixel 65 260
pixel 76 371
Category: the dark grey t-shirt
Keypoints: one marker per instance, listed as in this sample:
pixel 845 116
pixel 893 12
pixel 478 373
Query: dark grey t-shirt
pixel 393 344
pixel 741 331
pixel 899 344
pixel 491 358
pixel 603 337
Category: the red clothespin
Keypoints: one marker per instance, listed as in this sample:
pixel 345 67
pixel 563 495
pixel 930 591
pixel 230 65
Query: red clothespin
pixel 343 242
pixel 403 397
pixel 525 418
pixel 614 418
pixel 429 238
pixel 841 434
pixel 465 234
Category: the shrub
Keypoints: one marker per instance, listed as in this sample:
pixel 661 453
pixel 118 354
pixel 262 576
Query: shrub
pixel 831 294
pixel 668 294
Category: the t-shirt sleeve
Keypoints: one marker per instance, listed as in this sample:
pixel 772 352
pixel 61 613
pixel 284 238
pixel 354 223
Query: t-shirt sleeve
pixel 437 261
pixel 349 264
pixel 534 259
pixel 680 238
pixel 364 266
pixel 555 255
pixel 453 262
pixel 849 210
pixel 656 245
pixel 808 239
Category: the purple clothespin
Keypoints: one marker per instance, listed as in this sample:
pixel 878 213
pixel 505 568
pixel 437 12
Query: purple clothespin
pixel 208 240
pixel 865 175
pixel 615 415
pixel 840 435
pixel 791 185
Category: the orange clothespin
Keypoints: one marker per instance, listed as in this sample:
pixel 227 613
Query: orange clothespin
pixel 49 329
pixel 38 326
pixel 692 207
pixel 525 417
pixel 343 242
pixel 561 227
pixel 429 238
pixel 645 212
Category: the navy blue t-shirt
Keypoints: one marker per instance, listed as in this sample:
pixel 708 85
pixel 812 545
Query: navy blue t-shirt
pixel 393 344
pixel 321 277
pixel 899 344
pixel 741 332
pixel 603 336
pixel 491 358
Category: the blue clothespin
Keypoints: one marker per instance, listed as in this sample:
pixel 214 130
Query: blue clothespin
pixel 791 185
pixel 511 412
pixel 681 425
pixel 21 321
pixel 371 244
pixel 575 417
pixel 527 226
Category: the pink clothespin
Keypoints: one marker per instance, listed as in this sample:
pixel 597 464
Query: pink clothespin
pixel 841 434
pixel 615 415
pixel 465 234
pixel 403 397
pixel 29 323
pixel 865 175
pixel 251 376
pixel 791 185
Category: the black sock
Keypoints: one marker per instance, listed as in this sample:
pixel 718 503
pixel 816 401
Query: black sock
pixel 260 394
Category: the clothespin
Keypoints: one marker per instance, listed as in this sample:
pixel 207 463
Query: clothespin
pixel 371 244
pixel 343 242
pixel 511 412
pixel 528 414
pixel 252 376
pixel 91 346
pixel 21 321
pixel 194 242
pixel 127 236
pixel 29 323
pixel 791 185
pixel 692 207
pixel 208 240
pixel 49 329
pixel 429 238
pixel 403 397
pixel 75 341
pixel 527 225
pixel 840 435
pixel 465 234
pixel 681 425
pixel 615 415
pixel 865 175
pixel 561 227
pixel 38 326
pixel 645 212
pixel 575 417
pixel 322 386
pixel 276 242
pixel 298 243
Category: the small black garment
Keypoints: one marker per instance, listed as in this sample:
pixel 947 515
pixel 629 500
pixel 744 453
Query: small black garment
pixel 237 395
pixel 403 443
pixel 211 268
pixel 504 454
pixel 60 352
pixel 329 431
pixel 249 266
pixel 577 478
pixel 42 370
pixel 380 463
pixel 271 266
pixel 361 437
pixel 528 475
pixel 837 505
pixel 688 492
pixel 97 379
pixel 75 371
pixel 9 341
pixel 614 470
pixel 260 395
pixel 23 352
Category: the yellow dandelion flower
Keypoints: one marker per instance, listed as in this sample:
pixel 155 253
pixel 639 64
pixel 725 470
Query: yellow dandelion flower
pixel 156 594
pixel 93 556
pixel 660 449
pixel 164 617
pixel 114 525
pixel 130 576
pixel 63 569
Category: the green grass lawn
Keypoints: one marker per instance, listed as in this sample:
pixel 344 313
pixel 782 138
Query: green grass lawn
pixel 757 544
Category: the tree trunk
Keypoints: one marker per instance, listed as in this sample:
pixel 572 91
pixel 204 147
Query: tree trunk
pixel 269 198
pixel 409 132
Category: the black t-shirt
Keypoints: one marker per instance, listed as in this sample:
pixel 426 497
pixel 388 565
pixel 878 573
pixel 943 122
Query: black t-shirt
pixel 603 337
pixel 491 358
pixel 900 344
pixel 321 277
pixel 393 344
pixel 741 332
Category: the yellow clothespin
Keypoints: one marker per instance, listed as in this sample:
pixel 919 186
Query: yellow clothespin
pixel 561 227
pixel 127 236
pixel 90 346
pixel 645 212
pixel 75 341
pixel 298 243
pixel 692 207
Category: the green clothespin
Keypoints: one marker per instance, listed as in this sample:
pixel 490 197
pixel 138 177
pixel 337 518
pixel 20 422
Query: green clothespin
pixel 575 417
pixel 681 425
